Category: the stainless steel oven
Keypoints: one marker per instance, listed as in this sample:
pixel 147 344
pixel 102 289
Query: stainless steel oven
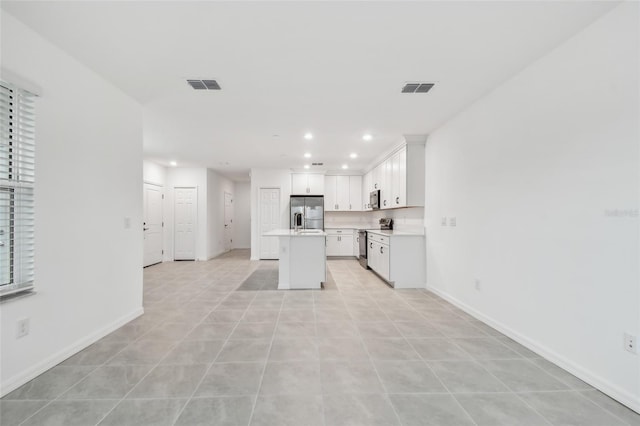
pixel 374 199
pixel 362 240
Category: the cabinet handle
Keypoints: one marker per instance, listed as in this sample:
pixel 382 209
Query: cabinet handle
pixel 370 245
pixel 384 203
pixel 397 200
pixel 375 186
pixel 381 250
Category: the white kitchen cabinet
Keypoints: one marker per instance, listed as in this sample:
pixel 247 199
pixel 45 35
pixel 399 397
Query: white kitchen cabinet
pixel 386 183
pixel 342 193
pixel 330 193
pixel 400 177
pixel 340 242
pixel 378 176
pixel 398 258
pixel 333 244
pixel 307 184
pixel 356 243
pixel 379 258
pixel 367 187
pixel 355 193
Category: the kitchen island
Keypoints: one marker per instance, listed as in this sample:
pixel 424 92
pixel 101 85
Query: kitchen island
pixel 303 258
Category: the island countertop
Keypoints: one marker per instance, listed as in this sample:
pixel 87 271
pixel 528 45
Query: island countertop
pixel 294 233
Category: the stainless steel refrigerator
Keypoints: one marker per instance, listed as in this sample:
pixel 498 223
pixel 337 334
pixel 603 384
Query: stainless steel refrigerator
pixel 311 209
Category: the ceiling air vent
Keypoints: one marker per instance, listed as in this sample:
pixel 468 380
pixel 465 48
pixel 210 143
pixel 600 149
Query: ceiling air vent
pixel 317 164
pixel 204 84
pixel 417 87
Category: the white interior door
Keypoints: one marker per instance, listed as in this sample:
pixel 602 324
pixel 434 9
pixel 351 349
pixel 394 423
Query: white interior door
pixel 185 218
pixel 152 225
pixel 228 221
pixel 269 220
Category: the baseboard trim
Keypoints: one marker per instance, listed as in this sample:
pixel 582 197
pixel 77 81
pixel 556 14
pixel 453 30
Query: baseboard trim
pixel 20 379
pixel 603 385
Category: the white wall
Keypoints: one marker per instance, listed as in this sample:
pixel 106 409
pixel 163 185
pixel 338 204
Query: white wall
pixel 187 177
pixel 242 215
pixel 217 185
pixel 154 173
pixel 530 172
pixel 268 178
pixel 89 172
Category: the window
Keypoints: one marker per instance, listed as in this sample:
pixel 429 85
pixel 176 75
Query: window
pixel 17 173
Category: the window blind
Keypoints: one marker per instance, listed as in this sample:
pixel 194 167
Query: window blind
pixel 17 178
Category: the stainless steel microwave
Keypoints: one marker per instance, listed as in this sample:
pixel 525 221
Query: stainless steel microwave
pixel 374 199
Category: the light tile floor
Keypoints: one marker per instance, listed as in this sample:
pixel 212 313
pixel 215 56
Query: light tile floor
pixel 358 353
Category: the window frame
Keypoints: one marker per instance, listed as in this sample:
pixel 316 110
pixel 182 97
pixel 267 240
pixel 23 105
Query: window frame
pixel 17 181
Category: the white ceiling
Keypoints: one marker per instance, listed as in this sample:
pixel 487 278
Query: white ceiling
pixel 332 68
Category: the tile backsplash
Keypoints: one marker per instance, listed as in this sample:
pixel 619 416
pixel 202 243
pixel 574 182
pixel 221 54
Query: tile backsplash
pixel 410 219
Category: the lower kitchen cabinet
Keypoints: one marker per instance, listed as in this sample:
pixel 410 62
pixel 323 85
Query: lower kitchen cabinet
pixel 379 258
pixel 398 258
pixel 340 242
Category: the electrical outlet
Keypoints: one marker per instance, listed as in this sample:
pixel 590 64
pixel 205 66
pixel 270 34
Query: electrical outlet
pixel 630 343
pixel 452 221
pixel 477 283
pixel 443 222
pixel 22 327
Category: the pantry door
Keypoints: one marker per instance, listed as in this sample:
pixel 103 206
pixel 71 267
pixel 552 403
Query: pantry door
pixel 185 220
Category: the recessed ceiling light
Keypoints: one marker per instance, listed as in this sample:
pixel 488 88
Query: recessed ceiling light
pixel 308 136
pixel 353 155
pixel 367 137
pixel 307 155
pixel 345 166
pixel 173 163
pixel 306 166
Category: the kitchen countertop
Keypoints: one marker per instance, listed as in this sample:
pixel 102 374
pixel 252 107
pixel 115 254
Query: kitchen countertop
pixel 401 233
pixel 361 226
pixel 293 233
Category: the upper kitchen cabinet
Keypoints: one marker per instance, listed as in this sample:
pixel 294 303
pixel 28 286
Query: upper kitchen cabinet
pixel 307 184
pixel 343 193
pixel 400 177
pixel 367 187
